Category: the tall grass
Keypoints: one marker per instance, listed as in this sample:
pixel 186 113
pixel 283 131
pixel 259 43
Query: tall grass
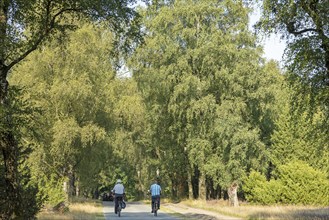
pixel 81 209
pixel 253 212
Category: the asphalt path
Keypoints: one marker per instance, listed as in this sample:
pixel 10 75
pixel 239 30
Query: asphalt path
pixel 134 211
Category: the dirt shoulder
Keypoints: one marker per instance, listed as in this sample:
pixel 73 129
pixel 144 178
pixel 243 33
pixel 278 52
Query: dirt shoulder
pixel 195 213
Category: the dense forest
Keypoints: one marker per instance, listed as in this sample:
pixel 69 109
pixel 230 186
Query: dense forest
pixel 93 91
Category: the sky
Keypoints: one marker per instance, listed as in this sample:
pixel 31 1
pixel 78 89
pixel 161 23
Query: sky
pixel 273 45
pixel 274 48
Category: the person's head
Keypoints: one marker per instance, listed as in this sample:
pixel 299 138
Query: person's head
pixel 119 181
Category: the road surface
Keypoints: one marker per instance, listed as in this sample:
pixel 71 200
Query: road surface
pixel 135 211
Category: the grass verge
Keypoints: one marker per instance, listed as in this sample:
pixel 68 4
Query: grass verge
pixel 82 209
pixel 253 212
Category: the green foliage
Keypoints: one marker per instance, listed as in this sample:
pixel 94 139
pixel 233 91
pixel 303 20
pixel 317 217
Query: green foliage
pixel 294 183
pixel 93 122
pixel 300 134
pixel 51 189
pixel 202 105
pixel 22 115
pixel 26 26
pixel 70 93
pixel 302 184
pixel 303 25
pixel 209 99
pixel 258 190
pixel 32 23
pixel 30 203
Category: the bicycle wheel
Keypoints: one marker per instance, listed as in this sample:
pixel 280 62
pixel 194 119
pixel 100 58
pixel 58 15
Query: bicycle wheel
pixel 119 209
pixel 156 208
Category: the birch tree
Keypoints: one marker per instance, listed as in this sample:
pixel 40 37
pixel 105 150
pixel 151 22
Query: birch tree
pixel 24 26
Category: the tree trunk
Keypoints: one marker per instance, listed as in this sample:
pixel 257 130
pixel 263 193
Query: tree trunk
pixel 10 152
pixel 174 188
pixel 71 186
pixel 190 184
pixel 233 194
pixel 202 186
pixel 183 186
pixel 195 182
pixel 327 60
pixel 77 187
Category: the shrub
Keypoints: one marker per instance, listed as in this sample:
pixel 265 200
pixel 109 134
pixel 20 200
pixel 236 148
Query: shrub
pixel 293 183
pixel 51 189
pixel 303 184
pixel 258 190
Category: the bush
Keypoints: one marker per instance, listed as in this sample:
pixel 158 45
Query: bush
pixel 51 189
pixel 303 184
pixel 293 183
pixel 258 190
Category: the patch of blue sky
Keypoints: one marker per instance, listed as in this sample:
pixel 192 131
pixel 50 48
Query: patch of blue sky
pixel 273 46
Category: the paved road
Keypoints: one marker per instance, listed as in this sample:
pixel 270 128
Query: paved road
pixel 134 211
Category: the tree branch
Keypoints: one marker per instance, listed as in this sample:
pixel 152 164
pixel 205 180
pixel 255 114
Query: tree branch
pixel 49 27
pixel 302 31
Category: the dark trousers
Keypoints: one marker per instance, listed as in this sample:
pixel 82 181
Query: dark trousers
pixel 117 197
pixel 153 200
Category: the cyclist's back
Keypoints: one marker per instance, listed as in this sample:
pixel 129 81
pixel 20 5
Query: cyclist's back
pixel 155 191
pixel 119 192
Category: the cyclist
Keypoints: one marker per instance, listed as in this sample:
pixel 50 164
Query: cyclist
pixel 119 193
pixel 155 191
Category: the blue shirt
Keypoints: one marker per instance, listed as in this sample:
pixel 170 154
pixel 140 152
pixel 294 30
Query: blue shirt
pixel 155 189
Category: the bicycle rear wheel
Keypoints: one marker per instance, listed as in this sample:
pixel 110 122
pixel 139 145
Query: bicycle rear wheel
pixel 119 209
pixel 156 208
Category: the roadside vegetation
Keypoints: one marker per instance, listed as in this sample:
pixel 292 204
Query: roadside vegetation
pixel 248 211
pixel 79 208
pixel 92 210
pixel 95 91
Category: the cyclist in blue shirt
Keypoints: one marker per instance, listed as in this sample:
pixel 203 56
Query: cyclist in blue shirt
pixel 155 191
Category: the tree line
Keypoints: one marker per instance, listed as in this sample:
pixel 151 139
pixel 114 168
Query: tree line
pixel 199 107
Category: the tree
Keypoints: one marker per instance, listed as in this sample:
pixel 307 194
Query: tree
pixel 23 118
pixel 93 121
pixel 128 138
pixel 68 90
pixel 304 25
pixel 299 134
pixel 201 75
pixel 70 82
pixel 24 26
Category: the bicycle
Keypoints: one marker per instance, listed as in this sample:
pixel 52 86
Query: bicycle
pixel 156 206
pixel 119 208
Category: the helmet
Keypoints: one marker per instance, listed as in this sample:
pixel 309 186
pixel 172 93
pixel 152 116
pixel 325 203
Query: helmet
pixel 119 181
